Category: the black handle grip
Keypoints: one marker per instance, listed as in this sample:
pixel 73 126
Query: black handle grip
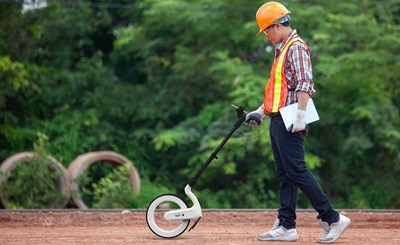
pixel 254 117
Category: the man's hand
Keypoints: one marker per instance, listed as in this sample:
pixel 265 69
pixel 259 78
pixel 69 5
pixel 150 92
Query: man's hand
pixel 254 118
pixel 300 123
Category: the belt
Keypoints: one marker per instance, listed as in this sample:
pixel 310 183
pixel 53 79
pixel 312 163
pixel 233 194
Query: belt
pixel 273 114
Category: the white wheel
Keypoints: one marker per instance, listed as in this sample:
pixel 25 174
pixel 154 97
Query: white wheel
pixel 155 216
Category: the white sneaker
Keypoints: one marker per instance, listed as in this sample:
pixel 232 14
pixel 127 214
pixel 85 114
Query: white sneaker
pixel 326 228
pixel 278 233
pixel 333 232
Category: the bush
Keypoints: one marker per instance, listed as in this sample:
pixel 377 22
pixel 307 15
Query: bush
pixel 114 190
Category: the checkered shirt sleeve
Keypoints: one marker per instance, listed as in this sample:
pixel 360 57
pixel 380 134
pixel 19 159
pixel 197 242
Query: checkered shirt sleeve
pixel 298 71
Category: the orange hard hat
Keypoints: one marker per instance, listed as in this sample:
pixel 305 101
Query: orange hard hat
pixel 268 13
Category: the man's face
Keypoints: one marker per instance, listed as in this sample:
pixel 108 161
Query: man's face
pixel 272 34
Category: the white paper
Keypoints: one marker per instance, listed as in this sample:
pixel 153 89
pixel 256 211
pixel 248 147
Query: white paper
pixel 289 113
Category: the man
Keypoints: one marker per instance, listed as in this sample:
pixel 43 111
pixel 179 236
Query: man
pixel 291 82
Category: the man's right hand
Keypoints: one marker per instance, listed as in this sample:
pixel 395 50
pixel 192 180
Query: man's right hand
pixel 254 118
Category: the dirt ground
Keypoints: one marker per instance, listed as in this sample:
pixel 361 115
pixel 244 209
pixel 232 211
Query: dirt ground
pixel 216 227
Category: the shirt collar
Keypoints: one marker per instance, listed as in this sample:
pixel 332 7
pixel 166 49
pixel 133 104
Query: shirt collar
pixel 282 44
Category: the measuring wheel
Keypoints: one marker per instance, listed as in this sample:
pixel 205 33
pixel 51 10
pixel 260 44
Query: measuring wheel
pixel 155 216
pixel 167 215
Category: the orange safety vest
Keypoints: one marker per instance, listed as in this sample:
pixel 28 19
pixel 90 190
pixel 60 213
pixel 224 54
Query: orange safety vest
pixel 276 90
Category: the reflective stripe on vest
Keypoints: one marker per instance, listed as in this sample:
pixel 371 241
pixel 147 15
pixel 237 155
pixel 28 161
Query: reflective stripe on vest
pixel 276 90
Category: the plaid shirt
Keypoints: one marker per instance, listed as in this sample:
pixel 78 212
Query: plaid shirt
pixel 298 68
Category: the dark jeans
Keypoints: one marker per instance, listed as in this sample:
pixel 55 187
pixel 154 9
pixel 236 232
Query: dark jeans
pixel 292 172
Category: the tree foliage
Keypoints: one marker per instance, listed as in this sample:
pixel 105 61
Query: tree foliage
pixel 154 80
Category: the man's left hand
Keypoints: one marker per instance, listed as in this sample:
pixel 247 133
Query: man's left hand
pixel 300 123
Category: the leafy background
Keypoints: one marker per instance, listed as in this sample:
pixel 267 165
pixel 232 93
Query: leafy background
pixel 154 81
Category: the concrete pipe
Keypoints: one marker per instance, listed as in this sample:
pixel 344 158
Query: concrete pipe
pixel 63 183
pixel 82 162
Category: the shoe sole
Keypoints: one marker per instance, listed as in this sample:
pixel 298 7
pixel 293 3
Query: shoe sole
pixel 278 239
pixel 345 228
